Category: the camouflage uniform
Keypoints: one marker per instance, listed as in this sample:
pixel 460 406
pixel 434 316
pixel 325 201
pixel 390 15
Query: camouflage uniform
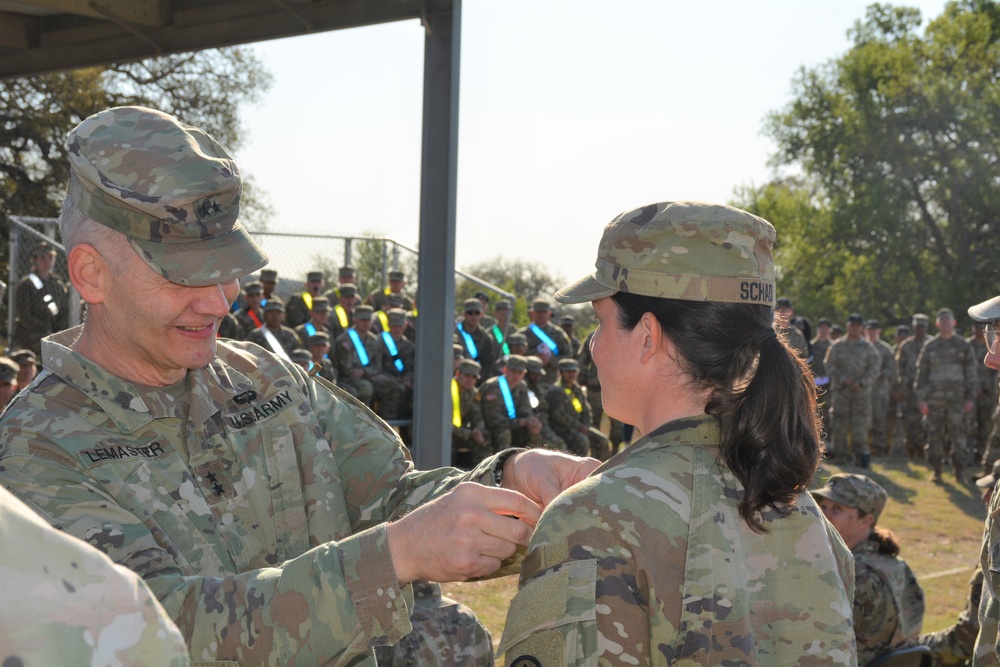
pixel 376 299
pixel 287 338
pixel 347 360
pixel 906 370
pixel 471 418
pixel 824 396
pixel 537 392
pixel 229 327
pixel 504 431
pixel 303 331
pixel 852 408
pixel 953 646
pixel 946 379
pixel 987 647
pixel 635 565
pixel 558 337
pixel 393 387
pixel 485 351
pixel 297 309
pixel 263 542
pixel 986 399
pixel 34 308
pixel 796 341
pixel 888 602
pixel 884 384
pixel 569 418
pixel 249 320
pixel 65 602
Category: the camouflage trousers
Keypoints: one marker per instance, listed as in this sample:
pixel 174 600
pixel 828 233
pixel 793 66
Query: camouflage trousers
pixel 593 443
pixel 947 430
pixel 616 435
pixel 392 398
pixel 445 634
pixel 982 419
pixel 953 646
pixel 852 417
pixel 878 435
pixel 359 388
pixel 913 425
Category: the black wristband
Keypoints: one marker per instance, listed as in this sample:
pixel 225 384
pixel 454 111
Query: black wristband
pixel 501 460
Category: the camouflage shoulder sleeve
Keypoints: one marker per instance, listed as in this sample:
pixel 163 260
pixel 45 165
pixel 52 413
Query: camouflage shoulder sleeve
pixel 63 598
pixel 985 652
pixel 875 613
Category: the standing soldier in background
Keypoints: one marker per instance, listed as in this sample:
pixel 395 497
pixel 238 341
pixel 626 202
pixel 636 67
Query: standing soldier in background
pixel 298 306
pixel 945 389
pixel 820 346
pixel 569 414
pixel 894 427
pixel 589 380
pixel 549 342
pixel 853 366
pixel 986 393
pixel 538 389
pixel 884 384
pixel 470 441
pixel 906 369
pixel 41 301
pixel 783 325
pixel 507 410
pixel 566 324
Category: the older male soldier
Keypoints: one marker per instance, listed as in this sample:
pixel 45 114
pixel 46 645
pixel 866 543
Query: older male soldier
pixel 298 306
pixel 507 408
pixel 547 341
pixel 945 388
pixel 470 441
pixel 275 336
pixel 906 370
pixel 477 343
pixel 569 414
pixel 885 382
pixel 41 301
pixel 853 365
pixel 253 498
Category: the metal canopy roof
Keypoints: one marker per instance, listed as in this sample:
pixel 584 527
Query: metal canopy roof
pixel 39 36
pixel 45 35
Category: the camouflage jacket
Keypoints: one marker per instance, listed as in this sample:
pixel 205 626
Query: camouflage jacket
pixel 852 360
pixel 348 359
pixel 65 602
pixel 254 507
pixel 470 413
pixel 946 365
pixel 405 352
pixel 541 409
pixel 986 377
pixel 249 320
pixel 888 602
pixel 304 331
pixel 906 360
pixel 558 337
pixel 886 380
pixel 562 408
pixel 820 348
pixel 588 369
pixel 953 645
pixel 484 343
pixel 648 562
pixel 987 647
pixel 797 341
pixel 286 338
pixel 33 309
pixel 495 410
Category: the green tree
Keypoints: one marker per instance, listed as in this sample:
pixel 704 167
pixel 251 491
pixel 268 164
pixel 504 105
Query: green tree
pixel 526 280
pixel 898 152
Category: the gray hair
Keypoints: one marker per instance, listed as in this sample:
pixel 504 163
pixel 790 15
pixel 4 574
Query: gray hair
pixel 77 227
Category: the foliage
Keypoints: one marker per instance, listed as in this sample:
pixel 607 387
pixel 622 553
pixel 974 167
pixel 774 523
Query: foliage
pixel 370 257
pixel 895 209
pixel 526 280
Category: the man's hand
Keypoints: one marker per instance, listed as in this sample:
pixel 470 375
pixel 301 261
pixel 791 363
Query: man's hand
pixel 543 474
pixel 465 533
pixel 922 406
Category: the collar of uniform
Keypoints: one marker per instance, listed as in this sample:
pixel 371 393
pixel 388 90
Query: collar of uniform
pixel 696 430
pixel 210 387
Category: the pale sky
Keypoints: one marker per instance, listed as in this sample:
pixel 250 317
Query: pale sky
pixel 570 113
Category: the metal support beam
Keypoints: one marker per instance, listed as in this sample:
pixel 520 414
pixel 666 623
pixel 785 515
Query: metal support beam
pixel 438 186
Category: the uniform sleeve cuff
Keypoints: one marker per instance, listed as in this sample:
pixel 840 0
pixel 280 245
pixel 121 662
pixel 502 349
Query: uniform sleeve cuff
pixel 381 605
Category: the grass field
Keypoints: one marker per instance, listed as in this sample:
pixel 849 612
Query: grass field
pixel 939 526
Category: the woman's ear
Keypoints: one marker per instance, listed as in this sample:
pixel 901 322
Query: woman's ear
pixel 88 272
pixel 652 336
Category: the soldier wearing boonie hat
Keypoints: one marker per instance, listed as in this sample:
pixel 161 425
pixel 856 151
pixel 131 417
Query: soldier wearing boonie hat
pixel 684 295
pixel 906 367
pixel 145 383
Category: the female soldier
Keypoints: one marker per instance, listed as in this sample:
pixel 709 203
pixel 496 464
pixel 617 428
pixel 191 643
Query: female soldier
pixel 699 544
pixel 888 601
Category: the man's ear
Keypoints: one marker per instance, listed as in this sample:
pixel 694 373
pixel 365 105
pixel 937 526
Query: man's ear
pixel 88 272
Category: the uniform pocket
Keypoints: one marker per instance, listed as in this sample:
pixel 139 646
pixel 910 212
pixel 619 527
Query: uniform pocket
pixel 552 621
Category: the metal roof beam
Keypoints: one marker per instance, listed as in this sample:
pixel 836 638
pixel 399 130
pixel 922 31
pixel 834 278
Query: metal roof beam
pixel 151 13
pixel 18 31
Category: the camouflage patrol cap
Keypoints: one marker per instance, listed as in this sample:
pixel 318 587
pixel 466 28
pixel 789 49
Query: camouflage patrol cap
pixel 397 317
pixel 540 305
pixel 534 364
pixel 566 365
pixel 393 300
pixel 274 303
pixel 457 351
pixel 171 188
pixel 346 272
pixel 348 289
pixel 855 318
pixel 783 302
pixel 320 303
pixel 397 275
pixel 253 288
pixel 872 324
pixel 516 362
pixel 24 357
pixel 517 339
pixel 903 329
pixel 268 276
pixel 8 370
pixel 566 320
pixel 474 305
pixel 920 320
pixel 502 304
pixel 824 320
pixel 837 328
pixel 314 277
pixel 682 250
pixel 851 490
pixel 987 311
pixel 363 312
pixel 43 248
pixel 470 367
pixel 300 355
pixel 318 338
pixel 946 312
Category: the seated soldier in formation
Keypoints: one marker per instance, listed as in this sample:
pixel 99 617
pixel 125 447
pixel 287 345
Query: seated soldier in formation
pixel 298 306
pixel 251 316
pixel 319 348
pixel 275 336
pixel 8 380
pixel 397 281
pixel 477 341
pixel 319 320
pixel 569 414
pixel 470 441
pixel 546 340
pixel 359 357
pixel 303 358
pixel 567 324
pixel 28 363
pixel 394 384
pixel 343 313
pixel 507 410
pixel 538 390
pixel 345 275
pixel 500 328
pixel 380 319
